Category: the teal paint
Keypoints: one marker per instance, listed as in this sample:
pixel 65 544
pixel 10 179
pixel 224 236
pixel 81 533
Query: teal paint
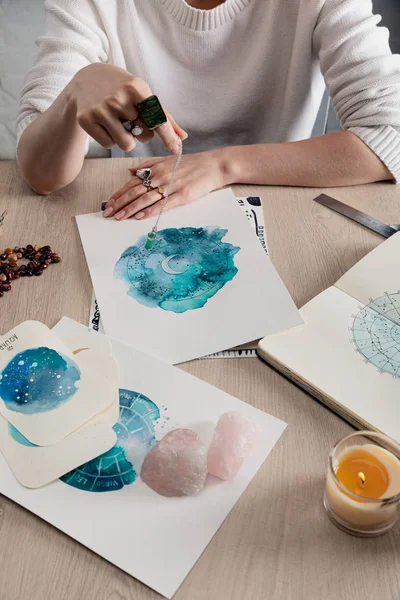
pixel 18 437
pixel 135 437
pixel 181 271
pixel 38 380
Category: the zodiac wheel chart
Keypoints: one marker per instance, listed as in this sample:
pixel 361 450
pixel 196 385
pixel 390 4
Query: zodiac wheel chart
pixel 119 466
pixel 376 333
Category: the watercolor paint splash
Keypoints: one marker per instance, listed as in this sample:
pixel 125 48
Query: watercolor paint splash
pixel 135 437
pixel 38 380
pixel 18 437
pixel 182 271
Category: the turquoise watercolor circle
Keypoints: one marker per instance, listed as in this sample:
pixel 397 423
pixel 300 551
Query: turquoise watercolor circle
pixel 38 380
pixel 376 333
pixel 183 269
pixel 135 437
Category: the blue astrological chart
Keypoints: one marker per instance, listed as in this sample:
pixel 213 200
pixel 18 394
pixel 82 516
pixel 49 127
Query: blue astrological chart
pixel 182 271
pixel 135 437
pixel 38 380
pixel 376 333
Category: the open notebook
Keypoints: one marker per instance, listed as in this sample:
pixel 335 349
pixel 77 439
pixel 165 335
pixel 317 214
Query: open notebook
pixel 347 354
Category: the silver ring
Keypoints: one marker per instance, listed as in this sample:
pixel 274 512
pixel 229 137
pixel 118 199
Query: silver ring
pixel 144 174
pixel 148 185
pixel 134 129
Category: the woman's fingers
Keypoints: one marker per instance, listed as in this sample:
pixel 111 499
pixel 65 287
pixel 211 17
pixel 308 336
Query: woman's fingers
pixel 178 130
pixel 174 200
pixel 128 193
pixel 136 208
pixel 112 124
pixel 139 91
pixel 147 135
pixel 98 133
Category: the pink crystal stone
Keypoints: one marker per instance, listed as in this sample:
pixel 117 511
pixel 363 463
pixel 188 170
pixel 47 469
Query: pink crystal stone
pixel 235 438
pixel 177 465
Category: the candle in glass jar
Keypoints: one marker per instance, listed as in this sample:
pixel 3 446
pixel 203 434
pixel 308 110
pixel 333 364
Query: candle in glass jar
pixel 362 488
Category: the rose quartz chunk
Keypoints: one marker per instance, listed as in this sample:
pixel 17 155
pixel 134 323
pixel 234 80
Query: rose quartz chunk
pixel 235 438
pixel 177 465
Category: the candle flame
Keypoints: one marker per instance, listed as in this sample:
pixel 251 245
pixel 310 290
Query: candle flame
pixel 361 477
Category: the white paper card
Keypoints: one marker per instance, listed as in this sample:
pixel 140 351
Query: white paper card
pixel 35 466
pixel 153 538
pixel 206 262
pixel 253 211
pixel 83 338
pixel 46 392
pixel 79 338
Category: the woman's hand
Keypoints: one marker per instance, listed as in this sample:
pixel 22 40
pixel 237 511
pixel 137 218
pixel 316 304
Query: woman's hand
pixel 104 96
pixel 197 175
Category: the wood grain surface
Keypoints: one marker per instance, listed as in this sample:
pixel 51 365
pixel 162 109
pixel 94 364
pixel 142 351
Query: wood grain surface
pixel 277 542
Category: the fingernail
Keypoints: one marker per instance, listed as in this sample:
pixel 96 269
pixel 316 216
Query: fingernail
pixel 108 211
pixel 140 215
pixel 120 214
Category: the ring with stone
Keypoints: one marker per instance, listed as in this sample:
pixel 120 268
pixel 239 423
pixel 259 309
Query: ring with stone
pixel 134 128
pixel 152 112
pixel 148 185
pixel 144 174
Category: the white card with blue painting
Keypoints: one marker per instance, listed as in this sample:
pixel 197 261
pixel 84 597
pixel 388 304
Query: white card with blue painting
pixel 105 506
pixel 84 338
pixel 35 466
pixel 47 392
pixel 204 286
pixel 79 339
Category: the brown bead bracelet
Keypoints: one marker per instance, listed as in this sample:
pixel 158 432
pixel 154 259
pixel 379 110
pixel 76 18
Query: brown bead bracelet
pixel 38 257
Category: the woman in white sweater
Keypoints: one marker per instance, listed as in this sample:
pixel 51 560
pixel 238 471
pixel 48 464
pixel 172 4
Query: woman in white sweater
pixel 242 81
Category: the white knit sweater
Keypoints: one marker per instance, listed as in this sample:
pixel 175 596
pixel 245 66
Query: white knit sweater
pixel 246 72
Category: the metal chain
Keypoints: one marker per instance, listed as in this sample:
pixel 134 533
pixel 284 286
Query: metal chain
pixel 169 187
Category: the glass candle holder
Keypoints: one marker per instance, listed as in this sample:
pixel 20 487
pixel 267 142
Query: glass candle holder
pixel 362 489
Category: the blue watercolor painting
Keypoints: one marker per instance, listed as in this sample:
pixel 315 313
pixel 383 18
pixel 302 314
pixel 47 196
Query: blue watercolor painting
pixel 184 268
pixel 18 437
pixel 135 437
pixel 38 380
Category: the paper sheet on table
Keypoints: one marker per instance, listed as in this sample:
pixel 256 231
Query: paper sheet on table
pixel 35 466
pixel 155 539
pixel 251 304
pixel 251 207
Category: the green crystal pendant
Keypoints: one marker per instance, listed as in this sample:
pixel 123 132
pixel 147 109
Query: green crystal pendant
pixel 152 112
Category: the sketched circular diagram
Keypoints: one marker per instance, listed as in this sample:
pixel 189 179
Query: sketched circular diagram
pixel 184 268
pixel 376 333
pixel 135 437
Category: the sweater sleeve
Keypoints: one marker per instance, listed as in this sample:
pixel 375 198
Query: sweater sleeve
pixel 74 38
pixel 362 76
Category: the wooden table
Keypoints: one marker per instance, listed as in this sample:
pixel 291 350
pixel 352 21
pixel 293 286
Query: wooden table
pixel 277 542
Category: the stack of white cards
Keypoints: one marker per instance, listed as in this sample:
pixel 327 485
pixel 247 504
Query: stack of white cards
pixel 59 401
